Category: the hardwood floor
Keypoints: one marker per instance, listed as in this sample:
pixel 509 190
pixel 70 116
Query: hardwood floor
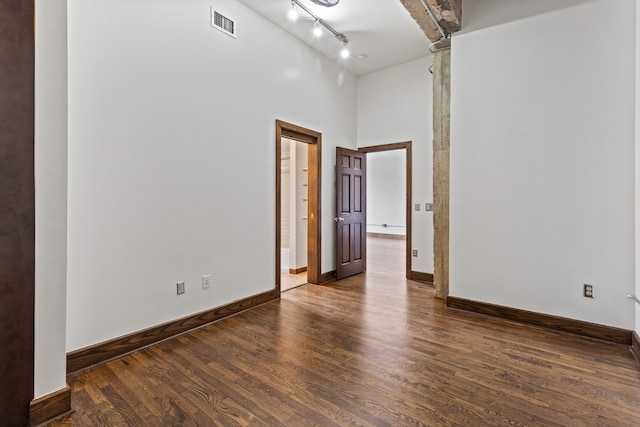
pixel 371 350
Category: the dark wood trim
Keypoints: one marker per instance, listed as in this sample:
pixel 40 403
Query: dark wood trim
pixel 314 233
pixel 385 147
pixel 635 346
pixel 409 190
pixel 328 277
pixel 297 270
pixel 17 210
pixel 47 408
pixel 387 236
pixel 422 277
pixel 105 351
pixel 563 324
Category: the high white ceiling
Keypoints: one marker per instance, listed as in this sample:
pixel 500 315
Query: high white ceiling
pixel 381 33
pixel 384 32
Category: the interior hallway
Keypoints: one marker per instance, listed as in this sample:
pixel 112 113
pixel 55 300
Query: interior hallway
pixel 373 349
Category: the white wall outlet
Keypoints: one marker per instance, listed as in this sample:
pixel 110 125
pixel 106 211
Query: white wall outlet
pixel 587 291
pixel 180 288
pixel 428 207
pixel 417 206
pixel 415 252
pixel 206 281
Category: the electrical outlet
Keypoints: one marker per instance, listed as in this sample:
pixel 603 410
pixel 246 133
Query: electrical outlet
pixel 415 252
pixel 417 206
pixel 180 288
pixel 587 291
pixel 206 280
pixel 428 207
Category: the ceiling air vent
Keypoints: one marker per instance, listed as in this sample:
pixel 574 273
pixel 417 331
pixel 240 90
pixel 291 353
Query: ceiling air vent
pixel 223 23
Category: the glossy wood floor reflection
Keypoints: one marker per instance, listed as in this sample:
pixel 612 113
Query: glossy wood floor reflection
pixel 371 350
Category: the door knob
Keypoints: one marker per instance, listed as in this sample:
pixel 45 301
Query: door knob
pixel 338 219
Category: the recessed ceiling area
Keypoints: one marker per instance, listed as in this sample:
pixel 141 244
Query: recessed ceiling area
pixel 381 33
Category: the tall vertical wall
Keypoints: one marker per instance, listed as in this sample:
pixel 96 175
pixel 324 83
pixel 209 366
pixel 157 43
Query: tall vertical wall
pixel 542 162
pixel 51 195
pixel 637 293
pixel 395 105
pixel 386 192
pixel 172 156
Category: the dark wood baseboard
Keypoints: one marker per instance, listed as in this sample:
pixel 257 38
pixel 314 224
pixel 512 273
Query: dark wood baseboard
pixel 387 236
pixel 49 407
pixel 421 277
pixel 102 352
pixel 579 327
pixel 297 270
pixel 329 276
pixel 635 346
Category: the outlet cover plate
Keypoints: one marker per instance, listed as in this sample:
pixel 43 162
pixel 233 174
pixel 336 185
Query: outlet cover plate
pixel 206 281
pixel 180 288
pixel 587 291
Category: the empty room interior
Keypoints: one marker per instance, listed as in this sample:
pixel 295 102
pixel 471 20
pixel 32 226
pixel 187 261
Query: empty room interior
pixel 320 212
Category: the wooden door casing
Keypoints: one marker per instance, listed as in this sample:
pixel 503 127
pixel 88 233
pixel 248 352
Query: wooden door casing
pixel 351 215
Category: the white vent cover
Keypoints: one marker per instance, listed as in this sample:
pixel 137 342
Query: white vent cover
pixel 222 23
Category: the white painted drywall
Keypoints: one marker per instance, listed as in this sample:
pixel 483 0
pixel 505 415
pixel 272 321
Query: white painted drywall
pixel 395 105
pixel 386 192
pixel 51 195
pixel 637 169
pixel 172 156
pixel 542 162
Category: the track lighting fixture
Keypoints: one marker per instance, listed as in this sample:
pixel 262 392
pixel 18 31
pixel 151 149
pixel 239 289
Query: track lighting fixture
pixel 317 29
pixel 317 26
pixel 344 53
pixel 293 13
pixel 326 3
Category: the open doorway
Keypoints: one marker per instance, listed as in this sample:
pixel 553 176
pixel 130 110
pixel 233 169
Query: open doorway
pixel 294 185
pixel 302 143
pixel 389 195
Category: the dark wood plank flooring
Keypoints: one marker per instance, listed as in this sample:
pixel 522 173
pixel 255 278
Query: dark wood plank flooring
pixel 371 350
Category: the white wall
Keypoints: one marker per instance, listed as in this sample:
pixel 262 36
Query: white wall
pixel 637 194
pixel 172 156
pixel 51 195
pixel 395 105
pixel 542 162
pixel 386 192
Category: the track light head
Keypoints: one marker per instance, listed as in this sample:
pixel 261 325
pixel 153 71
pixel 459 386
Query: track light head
pixel 293 12
pixel 344 53
pixel 317 29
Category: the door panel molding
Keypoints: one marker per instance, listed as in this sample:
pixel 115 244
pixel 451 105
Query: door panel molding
pixel 406 145
pixel 314 226
pixel 351 214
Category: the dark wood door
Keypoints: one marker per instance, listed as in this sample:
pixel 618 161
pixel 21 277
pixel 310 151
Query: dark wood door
pixel 351 215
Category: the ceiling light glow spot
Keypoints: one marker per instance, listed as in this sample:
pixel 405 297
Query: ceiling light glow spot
pixel 293 13
pixel 317 30
pixel 344 53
